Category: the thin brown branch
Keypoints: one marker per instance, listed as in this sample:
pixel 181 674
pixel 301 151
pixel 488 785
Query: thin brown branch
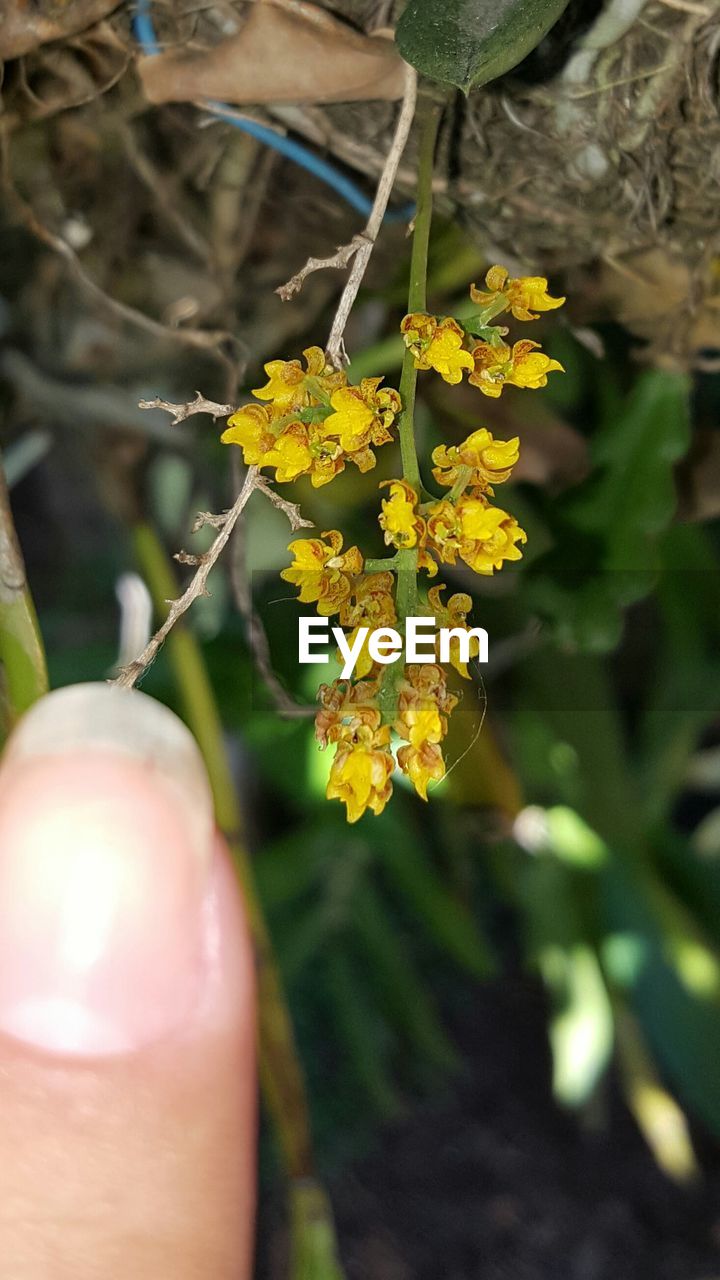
pixel 340 260
pixel 257 639
pixel 360 248
pixel 289 509
pixel 180 412
pixel 197 587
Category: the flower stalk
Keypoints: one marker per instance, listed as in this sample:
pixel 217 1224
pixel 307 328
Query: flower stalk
pixel 22 655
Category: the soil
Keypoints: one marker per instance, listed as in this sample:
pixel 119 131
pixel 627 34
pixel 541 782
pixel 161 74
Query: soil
pixel 497 1183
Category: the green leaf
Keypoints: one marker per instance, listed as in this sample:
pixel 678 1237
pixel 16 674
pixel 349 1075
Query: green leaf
pixel 398 986
pixel 581 1023
pixel 608 532
pixel 467 43
pixel 447 921
pixel 682 1026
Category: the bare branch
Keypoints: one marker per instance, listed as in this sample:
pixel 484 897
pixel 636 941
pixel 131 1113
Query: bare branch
pixel 361 246
pixel 340 260
pixel 290 509
pixel 207 517
pixel 335 347
pixel 196 587
pixel 180 412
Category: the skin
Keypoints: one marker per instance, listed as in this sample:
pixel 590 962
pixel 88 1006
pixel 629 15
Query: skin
pixel 138 1163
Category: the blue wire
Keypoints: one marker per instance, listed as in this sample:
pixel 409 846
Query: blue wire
pixel 307 159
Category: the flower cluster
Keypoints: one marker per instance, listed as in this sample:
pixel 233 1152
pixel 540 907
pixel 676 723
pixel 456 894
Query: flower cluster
pixel 362 769
pixel 312 421
pixel 453 347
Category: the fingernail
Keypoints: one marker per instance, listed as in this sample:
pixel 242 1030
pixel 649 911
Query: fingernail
pixel 106 837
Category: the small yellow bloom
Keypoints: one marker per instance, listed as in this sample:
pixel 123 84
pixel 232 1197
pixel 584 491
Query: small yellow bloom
pixel 524 295
pixel 360 776
pixel 436 344
pixel 402 525
pixel 372 603
pixel 352 420
pixel 285 385
pixel 250 427
pixel 290 454
pixel 290 387
pixel 424 704
pixel 453 615
pixel 488 535
pixel 483 536
pixel 422 765
pixel 491 460
pixel 321 572
pixel 523 365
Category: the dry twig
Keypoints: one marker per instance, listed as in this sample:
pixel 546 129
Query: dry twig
pixel 224 523
pixel 361 246
pixel 180 412
pixel 197 587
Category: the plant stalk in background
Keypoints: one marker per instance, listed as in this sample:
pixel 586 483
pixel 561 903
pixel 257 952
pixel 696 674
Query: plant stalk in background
pixel 22 655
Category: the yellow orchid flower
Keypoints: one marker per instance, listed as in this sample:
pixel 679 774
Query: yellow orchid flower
pixel 321 572
pixel 524 295
pixel 360 777
pixel 422 765
pixel 454 615
pixel 402 525
pixel 436 344
pixel 291 387
pixel 483 536
pixel 491 460
pixel 523 365
pixel 249 427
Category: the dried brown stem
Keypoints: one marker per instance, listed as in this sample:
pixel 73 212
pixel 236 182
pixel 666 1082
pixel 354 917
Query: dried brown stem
pixel 361 246
pixel 180 412
pixel 197 587
pixel 340 260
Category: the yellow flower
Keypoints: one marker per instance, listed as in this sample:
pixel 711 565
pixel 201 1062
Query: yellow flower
pixel 290 387
pixel 423 706
pixel 454 615
pixel 422 765
pixel 524 295
pixel 523 365
pixel 436 344
pixel 290 454
pixel 483 536
pixel 443 529
pixel 250 428
pixel 402 525
pixel 361 771
pixel 362 416
pixel 491 460
pixel 488 535
pixel 321 572
pixel 352 420
pixel 344 709
pixel 372 602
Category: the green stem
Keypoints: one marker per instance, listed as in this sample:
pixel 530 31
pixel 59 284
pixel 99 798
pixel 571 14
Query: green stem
pixel 417 300
pixel 407 558
pixel 280 1070
pixel 378 566
pixel 22 654
pixel 460 484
